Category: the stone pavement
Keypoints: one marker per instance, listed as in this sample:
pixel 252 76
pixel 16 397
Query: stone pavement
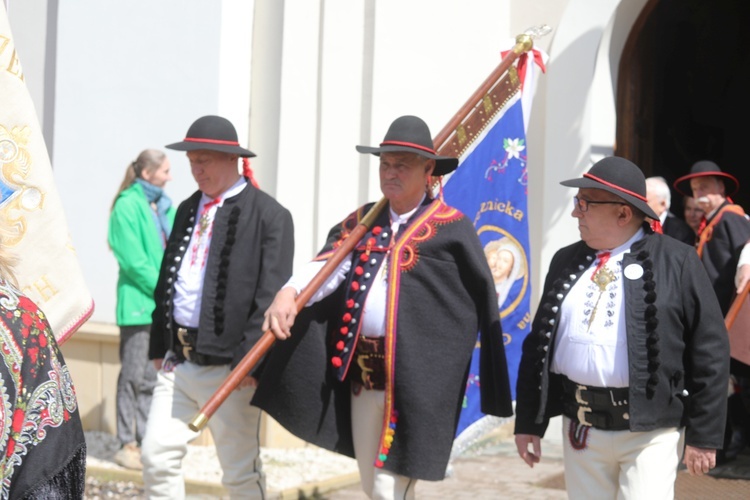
pixel 496 471
pixel 489 470
pixel 493 471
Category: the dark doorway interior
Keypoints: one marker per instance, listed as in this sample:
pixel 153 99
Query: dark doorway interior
pixel 684 89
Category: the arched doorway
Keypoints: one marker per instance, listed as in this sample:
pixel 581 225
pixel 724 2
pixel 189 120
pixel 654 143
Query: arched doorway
pixel 683 91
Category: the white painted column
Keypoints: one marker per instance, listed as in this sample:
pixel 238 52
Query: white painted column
pixel 265 95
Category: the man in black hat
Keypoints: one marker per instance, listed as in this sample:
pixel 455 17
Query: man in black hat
pixel 377 362
pixel 722 236
pixel 230 250
pixel 725 230
pixel 628 344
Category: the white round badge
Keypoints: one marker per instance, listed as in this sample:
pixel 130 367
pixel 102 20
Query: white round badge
pixel 633 271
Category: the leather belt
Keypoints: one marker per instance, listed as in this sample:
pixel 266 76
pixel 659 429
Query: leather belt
pixel 368 369
pixel 604 408
pixel 188 339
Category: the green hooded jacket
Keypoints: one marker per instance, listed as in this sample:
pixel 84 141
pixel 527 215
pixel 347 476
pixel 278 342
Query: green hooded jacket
pixel 137 245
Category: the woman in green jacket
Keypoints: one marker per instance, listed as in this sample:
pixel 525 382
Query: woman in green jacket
pixel 139 225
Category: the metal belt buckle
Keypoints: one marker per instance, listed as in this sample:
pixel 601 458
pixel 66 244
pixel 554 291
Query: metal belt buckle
pixel 583 407
pixel 186 348
pixel 182 336
pixel 361 363
pixel 582 411
pixel 579 397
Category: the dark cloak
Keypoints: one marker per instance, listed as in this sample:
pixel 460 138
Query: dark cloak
pixel 441 296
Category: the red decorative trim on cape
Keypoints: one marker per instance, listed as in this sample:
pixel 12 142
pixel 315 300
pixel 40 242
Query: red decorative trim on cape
pixel 707 232
pixel 403 258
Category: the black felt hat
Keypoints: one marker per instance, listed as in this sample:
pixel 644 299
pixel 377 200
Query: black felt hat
pixel 706 168
pixel 618 176
pixel 214 133
pixel 410 134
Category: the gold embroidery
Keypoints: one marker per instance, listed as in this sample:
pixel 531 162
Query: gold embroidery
pixel 602 279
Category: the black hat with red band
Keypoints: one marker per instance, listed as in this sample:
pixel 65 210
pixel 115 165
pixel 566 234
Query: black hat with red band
pixel 706 168
pixel 214 133
pixel 410 134
pixel 618 176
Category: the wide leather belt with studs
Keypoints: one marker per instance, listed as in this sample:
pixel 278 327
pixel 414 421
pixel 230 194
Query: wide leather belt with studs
pixel 186 350
pixel 604 408
pixel 368 367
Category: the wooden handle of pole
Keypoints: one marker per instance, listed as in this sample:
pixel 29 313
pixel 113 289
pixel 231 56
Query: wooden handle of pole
pixel 734 310
pixel 256 353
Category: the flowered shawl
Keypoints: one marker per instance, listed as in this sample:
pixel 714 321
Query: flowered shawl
pixel 42 447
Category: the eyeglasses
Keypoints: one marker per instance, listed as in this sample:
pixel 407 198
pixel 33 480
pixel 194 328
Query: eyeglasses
pixel 583 205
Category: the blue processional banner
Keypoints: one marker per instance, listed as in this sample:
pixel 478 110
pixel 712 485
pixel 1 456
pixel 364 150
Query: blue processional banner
pixel 490 188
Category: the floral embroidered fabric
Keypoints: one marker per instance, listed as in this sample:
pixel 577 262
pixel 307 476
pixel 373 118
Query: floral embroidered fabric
pixel 41 438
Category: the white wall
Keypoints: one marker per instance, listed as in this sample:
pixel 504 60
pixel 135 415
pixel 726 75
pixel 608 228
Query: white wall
pixel 561 131
pixel 130 76
pixel 28 20
pixel 327 75
pixel 351 68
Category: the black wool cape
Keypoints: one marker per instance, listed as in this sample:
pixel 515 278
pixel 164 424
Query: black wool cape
pixel 440 297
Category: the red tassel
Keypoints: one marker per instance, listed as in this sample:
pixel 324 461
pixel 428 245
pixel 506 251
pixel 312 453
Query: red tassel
pixel 656 226
pixel 248 172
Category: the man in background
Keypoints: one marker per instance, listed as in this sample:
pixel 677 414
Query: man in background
pixel 693 213
pixel 722 241
pixel 659 198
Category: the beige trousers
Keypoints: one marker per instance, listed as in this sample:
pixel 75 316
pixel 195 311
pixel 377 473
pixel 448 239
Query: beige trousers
pixel 235 426
pixel 622 464
pixel 367 422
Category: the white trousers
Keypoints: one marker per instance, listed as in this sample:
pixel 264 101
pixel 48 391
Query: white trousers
pixel 367 423
pixel 235 426
pixel 622 464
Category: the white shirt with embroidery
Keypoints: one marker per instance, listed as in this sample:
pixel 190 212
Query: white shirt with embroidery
pixel 189 285
pixel 373 315
pixel 595 353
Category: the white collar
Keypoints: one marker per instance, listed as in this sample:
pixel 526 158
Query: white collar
pixel 625 247
pixel 234 190
pixel 402 218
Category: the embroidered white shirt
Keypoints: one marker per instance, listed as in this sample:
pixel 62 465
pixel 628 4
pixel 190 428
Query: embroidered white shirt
pixel 595 352
pixel 189 284
pixel 373 315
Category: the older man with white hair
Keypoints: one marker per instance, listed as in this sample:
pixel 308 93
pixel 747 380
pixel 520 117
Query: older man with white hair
pixel 723 247
pixel 659 198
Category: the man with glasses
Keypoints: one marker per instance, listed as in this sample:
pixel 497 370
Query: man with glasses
pixel 628 344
